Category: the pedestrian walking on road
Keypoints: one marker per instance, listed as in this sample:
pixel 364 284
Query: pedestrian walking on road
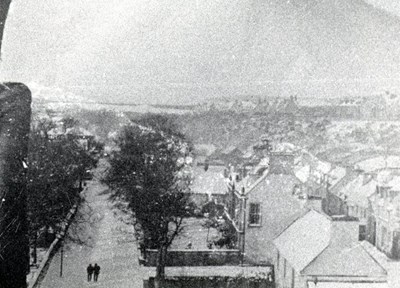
pixel 89 270
pixel 96 269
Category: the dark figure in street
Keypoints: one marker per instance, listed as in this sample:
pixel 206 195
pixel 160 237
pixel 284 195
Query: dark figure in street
pixel 89 270
pixel 96 269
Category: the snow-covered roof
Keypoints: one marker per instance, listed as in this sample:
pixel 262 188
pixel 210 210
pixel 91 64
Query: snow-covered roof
pixel 378 163
pixel 359 190
pixel 78 131
pixel 348 285
pixel 303 173
pixel 352 261
pixel 310 166
pixel 285 147
pixel 205 149
pixel 304 240
pixel 311 248
pixel 211 181
pixel 394 183
pixel 230 149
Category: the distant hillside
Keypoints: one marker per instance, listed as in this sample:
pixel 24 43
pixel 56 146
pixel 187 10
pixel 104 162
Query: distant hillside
pixel 183 51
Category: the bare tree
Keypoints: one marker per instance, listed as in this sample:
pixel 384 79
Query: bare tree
pixel 147 174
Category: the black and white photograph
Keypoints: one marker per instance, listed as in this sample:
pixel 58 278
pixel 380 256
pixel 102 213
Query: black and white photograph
pixel 200 143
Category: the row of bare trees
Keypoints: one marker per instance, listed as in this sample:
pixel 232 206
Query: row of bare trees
pixel 147 173
pixel 56 168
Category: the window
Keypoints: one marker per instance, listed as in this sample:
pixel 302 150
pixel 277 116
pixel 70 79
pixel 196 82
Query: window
pixel 383 236
pixel 255 214
pixel 362 233
pixel 292 278
pixel 277 261
pixel 284 268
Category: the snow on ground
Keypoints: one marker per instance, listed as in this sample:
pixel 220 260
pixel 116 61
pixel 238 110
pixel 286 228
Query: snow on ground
pixel 195 233
pixel 108 242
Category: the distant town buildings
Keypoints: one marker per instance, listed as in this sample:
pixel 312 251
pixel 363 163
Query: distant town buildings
pixel 282 186
pixel 305 218
pixel 384 106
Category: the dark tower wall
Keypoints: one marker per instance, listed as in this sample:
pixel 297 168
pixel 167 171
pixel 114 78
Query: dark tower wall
pixel 15 113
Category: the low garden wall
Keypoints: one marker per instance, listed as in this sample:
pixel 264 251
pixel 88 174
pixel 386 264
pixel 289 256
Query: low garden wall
pixel 215 282
pixel 186 257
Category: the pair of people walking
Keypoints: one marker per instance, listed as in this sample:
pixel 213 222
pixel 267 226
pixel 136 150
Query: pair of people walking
pixel 93 271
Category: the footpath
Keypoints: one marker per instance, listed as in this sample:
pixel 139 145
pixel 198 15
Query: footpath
pixel 99 237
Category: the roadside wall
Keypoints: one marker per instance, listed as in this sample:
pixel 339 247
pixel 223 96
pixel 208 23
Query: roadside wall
pixel 215 282
pixel 218 257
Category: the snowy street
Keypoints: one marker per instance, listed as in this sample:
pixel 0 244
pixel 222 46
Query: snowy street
pixel 107 241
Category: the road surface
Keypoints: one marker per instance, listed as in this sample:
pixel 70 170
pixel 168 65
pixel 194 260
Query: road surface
pixel 107 241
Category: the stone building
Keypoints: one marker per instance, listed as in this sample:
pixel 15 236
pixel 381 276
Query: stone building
pixel 261 207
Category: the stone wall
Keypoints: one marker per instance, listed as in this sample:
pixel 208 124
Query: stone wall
pixel 215 282
pixel 218 257
pixel 15 113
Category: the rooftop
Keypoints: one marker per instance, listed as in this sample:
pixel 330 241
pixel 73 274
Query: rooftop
pixel 211 181
pixel 379 163
pixel 359 190
pixel 354 261
pixel 347 285
pixel 311 248
pixel 304 239
pixel 310 167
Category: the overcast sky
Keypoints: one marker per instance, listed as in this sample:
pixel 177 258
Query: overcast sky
pixel 150 51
